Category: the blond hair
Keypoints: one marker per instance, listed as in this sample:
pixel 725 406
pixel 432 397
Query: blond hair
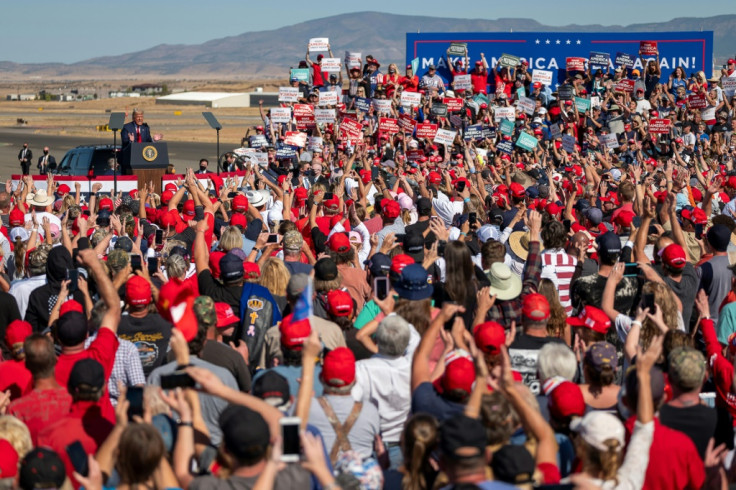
pixel 275 276
pixel 16 433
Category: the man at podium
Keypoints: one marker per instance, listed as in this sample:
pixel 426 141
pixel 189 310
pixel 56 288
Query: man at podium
pixel 137 131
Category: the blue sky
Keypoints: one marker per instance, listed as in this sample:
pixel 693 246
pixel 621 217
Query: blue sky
pixel 54 31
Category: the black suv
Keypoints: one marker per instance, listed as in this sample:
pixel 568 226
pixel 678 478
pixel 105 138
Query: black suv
pixel 82 159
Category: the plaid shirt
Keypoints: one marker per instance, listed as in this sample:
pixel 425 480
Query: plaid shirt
pixel 127 368
pixel 505 312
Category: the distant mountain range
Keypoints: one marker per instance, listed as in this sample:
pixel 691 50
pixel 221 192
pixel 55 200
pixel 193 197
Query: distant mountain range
pixel 267 54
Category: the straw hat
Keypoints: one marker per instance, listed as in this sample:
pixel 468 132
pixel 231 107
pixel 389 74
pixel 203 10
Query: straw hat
pixel 504 283
pixel 40 198
pixel 519 243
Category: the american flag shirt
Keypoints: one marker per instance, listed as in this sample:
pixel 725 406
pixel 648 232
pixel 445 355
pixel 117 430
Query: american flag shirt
pixel 559 267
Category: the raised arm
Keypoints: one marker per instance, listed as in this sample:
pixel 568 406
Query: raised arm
pixel 108 293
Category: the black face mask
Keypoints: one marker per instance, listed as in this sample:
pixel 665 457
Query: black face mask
pixel 45 152
pixel 202 168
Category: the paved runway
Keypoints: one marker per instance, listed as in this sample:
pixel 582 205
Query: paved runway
pixel 181 154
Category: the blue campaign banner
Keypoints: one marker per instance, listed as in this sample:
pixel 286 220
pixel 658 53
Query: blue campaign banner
pixel 693 51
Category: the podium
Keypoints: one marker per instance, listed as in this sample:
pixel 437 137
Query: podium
pixel 148 161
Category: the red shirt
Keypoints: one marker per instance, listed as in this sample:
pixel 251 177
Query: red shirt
pixel 40 407
pixel 479 81
pixel 721 368
pixel 674 461
pixel 410 84
pixel 84 423
pixel 15 377
pixel 627 206
pixel 317 78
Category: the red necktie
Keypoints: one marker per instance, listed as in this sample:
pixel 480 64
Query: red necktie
pixel 138 133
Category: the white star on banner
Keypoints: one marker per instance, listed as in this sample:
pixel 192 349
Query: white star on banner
pixel 546 42
pixel 557 85
pixel 557 42
pixel 537 41
pixel 577 42
pixel 567 42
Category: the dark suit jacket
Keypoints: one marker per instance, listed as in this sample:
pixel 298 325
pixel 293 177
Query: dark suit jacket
pixel 29 155
pixel 51 162
pixel 129 129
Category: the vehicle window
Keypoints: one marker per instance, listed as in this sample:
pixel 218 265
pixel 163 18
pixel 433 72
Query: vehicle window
pixel 99 160
pixel 81 165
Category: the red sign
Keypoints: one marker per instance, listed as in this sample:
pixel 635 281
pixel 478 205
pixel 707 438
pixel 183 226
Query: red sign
pixel 625 85
pixel 575 64
pixel 414 155
pixel 295 138
pixel 406 123
pixel 388 125
pixel 648 48
pixel 453 104
pixel 659 126
pixel 351 129
pixel 426 130
pixel 698 101
pixel 304 116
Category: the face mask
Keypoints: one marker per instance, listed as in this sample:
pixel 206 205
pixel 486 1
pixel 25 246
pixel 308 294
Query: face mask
pixel 202 167
pixel 45 152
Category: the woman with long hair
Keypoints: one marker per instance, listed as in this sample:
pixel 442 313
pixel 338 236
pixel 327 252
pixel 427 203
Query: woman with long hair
pixel 599 368
pixel 418 441
pixel 275 277
pixel 677 79
pixel 461 284
pixel 556 325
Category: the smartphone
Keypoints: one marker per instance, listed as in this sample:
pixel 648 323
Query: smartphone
pixel 273 238
pixel 647 301
pixel 441 248
pixel 290 438
pixel 374 173
pixel 380 287
pixel 159 236
pixel 460 186
pixel 152 265
pixel 230 195
pixel 136 263
pixel 178 379
pixel 73 276
pixel 449 323
pixel 631 270
pixel 78 458
pixel 329 196
pixel 400 237
pixel 472 218
pixel 134 396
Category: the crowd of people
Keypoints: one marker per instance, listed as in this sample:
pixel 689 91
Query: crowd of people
pixel 378 308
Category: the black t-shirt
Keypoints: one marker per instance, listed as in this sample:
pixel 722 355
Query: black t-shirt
pixel 359 350
pixel 8 313
pixel 523 352
pixel 208 286
pixel 588 290
pixel 150 335
pixel 697 422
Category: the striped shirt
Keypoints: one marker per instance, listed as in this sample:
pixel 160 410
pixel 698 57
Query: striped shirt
pixel 559 267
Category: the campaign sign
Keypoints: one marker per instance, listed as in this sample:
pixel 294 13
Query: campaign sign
pixel 382 105
pixel 426 130
pixel 504 113
pixel 454 104
pixel 575 64
pixel 542 76
pixel 314 143
pixel 506 147
pixel 457 49
pixel 460 82
pixel 526 141
pixel 280 114
pixel 414 155
pixel 331 65
pixel 324 116
pixel 353 59
pixel 295 138
pixel 625 85
pixel 527 105
pixel 304 115
pixel 566 92
pixel 599 59
pixel 581 104
pixel 554 131
pixel 444 137
pixel 568 143
pixel 327 97
pixel 409 99
pixel 406 123
pixel 288 94
pixel 351 129
pixel 506 127
pixel 489 132
pixel 388 125
pixel 691 50
pixel 439 110
pixel 728 84
pixel 318 44
pixel 509 60
pixel 648 48
pixel 363 104
pixel 474 132
pixel 659 126
pixel 301 74
pixel 258 141
pixel 624 59
pixel 608 140
pixel 285 152
pixel 455 120
pixel 698 101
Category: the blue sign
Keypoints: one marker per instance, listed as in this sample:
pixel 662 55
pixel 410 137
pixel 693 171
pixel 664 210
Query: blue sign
pixel 693 51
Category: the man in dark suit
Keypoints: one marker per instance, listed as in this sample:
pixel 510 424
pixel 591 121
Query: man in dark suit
pixel 46 162
pixel 25 157
pixel 137 131
pixel 203 167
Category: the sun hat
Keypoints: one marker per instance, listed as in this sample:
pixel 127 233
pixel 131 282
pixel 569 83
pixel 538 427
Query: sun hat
pixel 505 285
pixel 40 198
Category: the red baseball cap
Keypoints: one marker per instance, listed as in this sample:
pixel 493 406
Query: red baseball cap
pixel 592 318
pixel 624 219
pixel 106 203
pixel 166 196
pixel 674 256
pixel 535 307
pixel 338 369
pixel 565 399
pixel 391 209
pixel 63 189
pixel 553 209
pixel 459 373
pixel 339 242
pixel 365 176
pixel 332 204
pixel 340 303
pixel 214 263
pixel 133 194
pixel 16 332
pixel 301 194
pixel 434 177
pixel 238 219
pixel 251 270
pixel 16 217
pixel 225 315
pixel 398 262
pixel 171 187
pixel 489 337
pixel 697 195
pixel 70 305
pixel 240 203
pixel 517 190
pixel 188 210
pixel 137 291
pixel 697 216
pixel 294 333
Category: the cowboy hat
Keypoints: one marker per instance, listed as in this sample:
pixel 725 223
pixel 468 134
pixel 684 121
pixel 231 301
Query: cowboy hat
pixel 40 198
pixel 257 198
pixel 519 243
pixel 505 284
